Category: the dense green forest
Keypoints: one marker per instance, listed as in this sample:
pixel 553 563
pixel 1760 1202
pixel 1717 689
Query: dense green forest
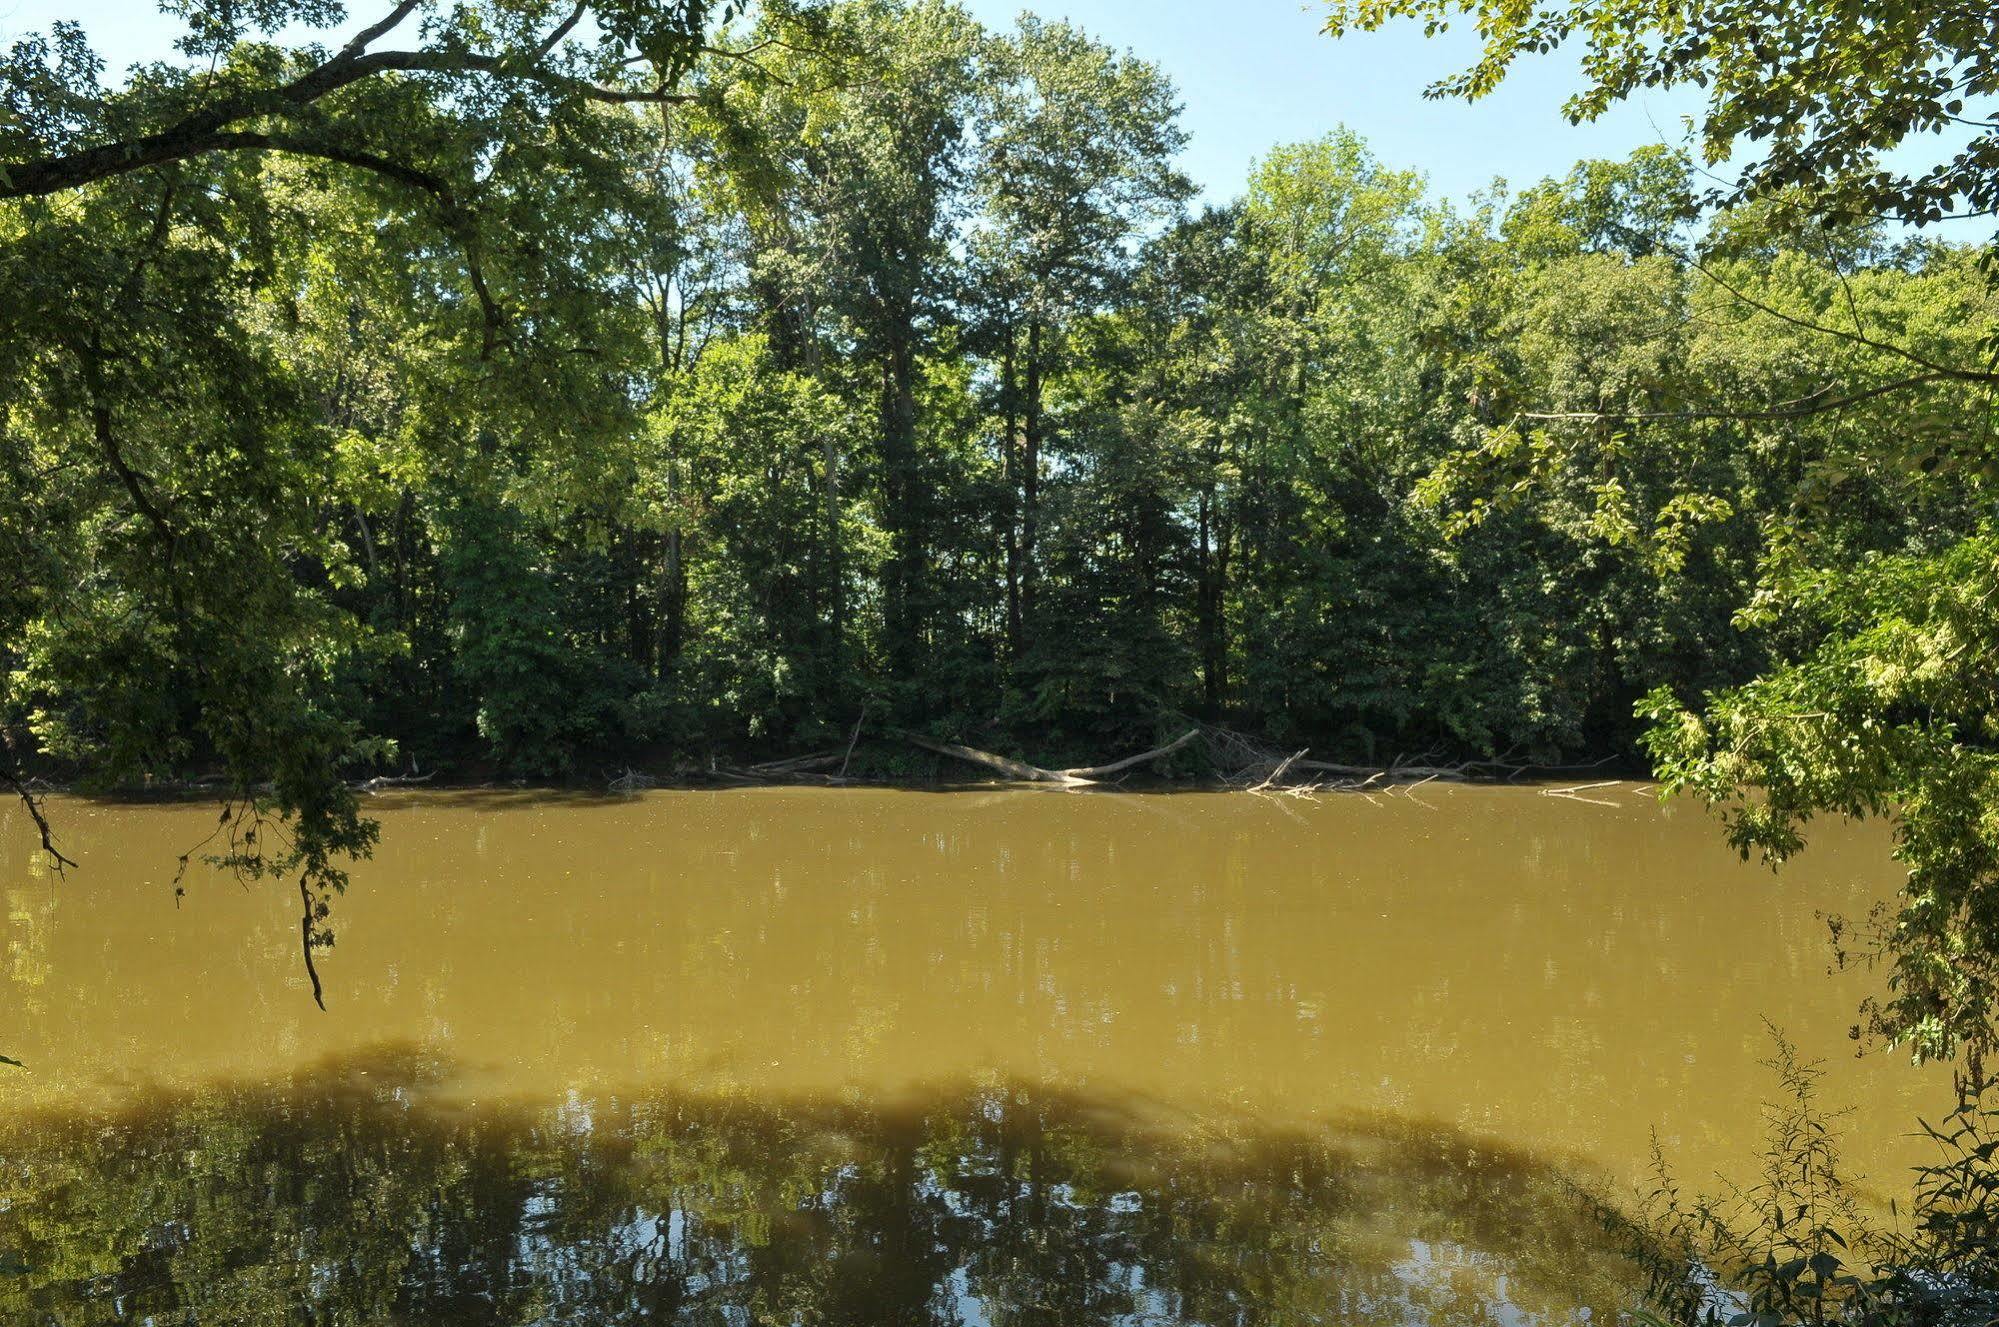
pixel 889 365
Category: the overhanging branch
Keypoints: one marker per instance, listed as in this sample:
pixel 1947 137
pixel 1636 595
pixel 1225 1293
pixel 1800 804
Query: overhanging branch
pixel 210 128
pixel 1816 403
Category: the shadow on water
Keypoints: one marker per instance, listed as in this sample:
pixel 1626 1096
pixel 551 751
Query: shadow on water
pixel 354 1194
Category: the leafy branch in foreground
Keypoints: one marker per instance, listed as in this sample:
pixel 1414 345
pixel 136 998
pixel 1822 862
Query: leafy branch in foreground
pixel 55 137
pixel 1820 89
pixel 1891 714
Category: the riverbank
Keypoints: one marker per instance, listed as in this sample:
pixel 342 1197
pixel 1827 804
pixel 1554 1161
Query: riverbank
pixel 1205 757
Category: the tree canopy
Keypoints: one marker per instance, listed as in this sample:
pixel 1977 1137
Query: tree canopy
pixel 1801 99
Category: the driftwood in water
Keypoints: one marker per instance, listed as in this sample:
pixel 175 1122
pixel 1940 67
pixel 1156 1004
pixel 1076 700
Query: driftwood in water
pixel 1575 794
pixel 1470 769
pixel 798 764
pixel 1025 773
pixel 1237 760
pixel 1278 773
pixel 1013 769
pixel 383 781
pixel 1129 762
pixel 1249 763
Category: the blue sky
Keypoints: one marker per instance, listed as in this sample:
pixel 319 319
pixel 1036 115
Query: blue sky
pixel 1255 73
pixel 1252 73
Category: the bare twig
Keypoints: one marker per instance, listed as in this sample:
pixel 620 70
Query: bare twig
pixel 851 740
pixel 632 781
pixel 1575 794
pixel 32 800
pixel 1279 772
pixel 306 938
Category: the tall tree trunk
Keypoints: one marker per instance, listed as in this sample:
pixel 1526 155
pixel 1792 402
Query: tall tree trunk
pixel 670 611
pixel 1224 560
pixel 1207 604
pixel 836 585
pixel 830 461
pixel 1030 478
pixel 1009 519
pixel 672 601
pixel 404 508
pixel 904 508
pixel 640 635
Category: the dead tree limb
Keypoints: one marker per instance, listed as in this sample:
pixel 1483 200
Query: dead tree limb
pixel 844 760
pixel 32 801
pixel 1575 794
pixel 1013 769
pixel 1282 766
pixel 1119 766
pixel 383 781
pixel 632 781
pixel 1397 772
pixel 796 764
pixel 1023 772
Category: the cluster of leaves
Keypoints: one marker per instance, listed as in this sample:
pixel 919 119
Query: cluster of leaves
pixel 1890 714
pixel 1814 94
pixel 174 431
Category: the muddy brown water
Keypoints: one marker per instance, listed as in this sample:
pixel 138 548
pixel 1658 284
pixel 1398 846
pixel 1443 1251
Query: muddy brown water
pixel 785 1055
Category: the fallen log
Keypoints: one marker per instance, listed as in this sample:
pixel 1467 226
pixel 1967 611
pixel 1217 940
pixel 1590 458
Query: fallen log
pixel 384 781
pixel 1023 772
pixel 797 764
pixel 1119 766
pixel 1013 769
pixel 1424 772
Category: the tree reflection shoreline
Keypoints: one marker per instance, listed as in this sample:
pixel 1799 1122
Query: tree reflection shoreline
pixel 364 1190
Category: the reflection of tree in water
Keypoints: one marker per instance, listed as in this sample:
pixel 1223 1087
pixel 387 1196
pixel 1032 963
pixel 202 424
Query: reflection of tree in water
pixel 338 1199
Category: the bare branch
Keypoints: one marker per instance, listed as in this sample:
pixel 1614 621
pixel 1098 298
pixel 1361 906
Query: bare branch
pixel 33 802
pixel 1857 336
pixel 367 35
pixel 562 29
pixel 1119 766
pixel 197 134
pixel 1816 403
pixel 306 937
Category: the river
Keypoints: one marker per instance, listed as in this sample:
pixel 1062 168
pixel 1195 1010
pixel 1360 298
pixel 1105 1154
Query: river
pixel 867 1056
